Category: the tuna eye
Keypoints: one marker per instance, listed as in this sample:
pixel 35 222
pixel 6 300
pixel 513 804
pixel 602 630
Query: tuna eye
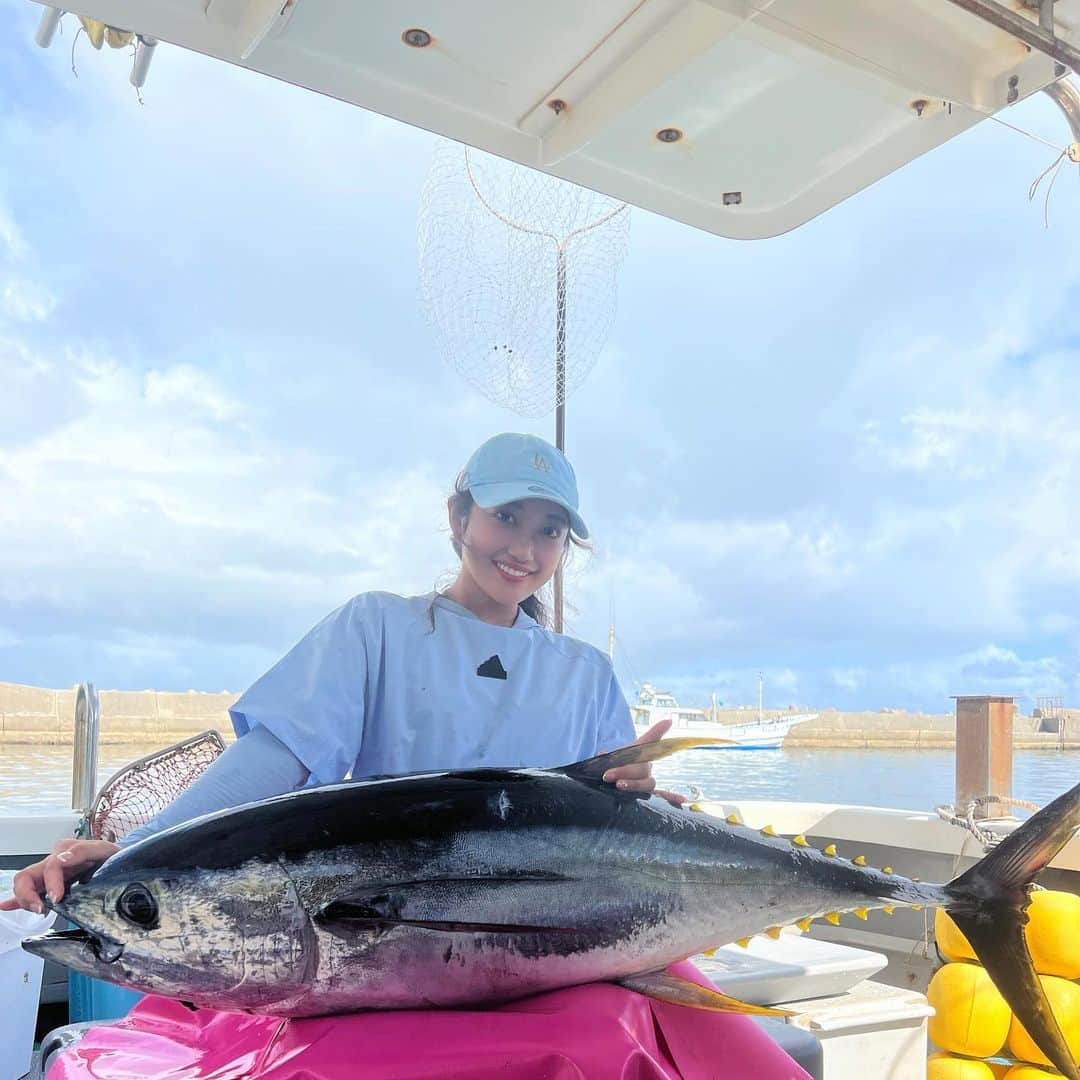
pixel 138 906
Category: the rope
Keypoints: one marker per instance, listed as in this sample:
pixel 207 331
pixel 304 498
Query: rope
pixel 1020 131
pixel 965 819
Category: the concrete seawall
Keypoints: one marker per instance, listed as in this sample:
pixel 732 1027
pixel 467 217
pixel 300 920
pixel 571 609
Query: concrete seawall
pixel 32 714
pixel 150 718
pixel 900 730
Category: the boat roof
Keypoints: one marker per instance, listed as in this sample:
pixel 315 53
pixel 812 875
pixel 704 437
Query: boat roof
pixel 742 117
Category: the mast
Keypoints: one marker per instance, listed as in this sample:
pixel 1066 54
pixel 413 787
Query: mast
pixel 760 683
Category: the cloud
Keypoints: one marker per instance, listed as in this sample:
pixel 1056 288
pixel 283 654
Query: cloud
pixel 26 302
pixel 846 457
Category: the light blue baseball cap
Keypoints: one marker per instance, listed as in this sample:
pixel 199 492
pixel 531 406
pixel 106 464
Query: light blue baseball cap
pixel 511 467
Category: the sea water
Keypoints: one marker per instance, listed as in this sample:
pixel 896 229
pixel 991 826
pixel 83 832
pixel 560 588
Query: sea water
pixel 35 779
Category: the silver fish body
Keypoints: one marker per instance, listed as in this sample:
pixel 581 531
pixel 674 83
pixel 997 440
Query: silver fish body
pixel 443 890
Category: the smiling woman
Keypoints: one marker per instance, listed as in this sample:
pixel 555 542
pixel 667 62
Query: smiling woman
pixel 388 685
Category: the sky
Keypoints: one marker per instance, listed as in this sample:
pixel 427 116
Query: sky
pixel 847 458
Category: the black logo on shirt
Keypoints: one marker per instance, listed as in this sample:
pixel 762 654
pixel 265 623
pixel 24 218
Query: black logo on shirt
pixel 491 668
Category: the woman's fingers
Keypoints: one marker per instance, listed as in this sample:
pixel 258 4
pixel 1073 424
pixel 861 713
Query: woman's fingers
pixel 654 734
pixel 638 777
pixel 51 875
pixel 672 797
pixel 26 889
pixel 637 771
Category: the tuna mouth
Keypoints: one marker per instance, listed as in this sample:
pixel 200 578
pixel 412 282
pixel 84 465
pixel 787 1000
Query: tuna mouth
pixel 56 943
pixel 104 950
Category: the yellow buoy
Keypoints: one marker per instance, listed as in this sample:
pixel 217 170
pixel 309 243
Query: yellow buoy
pixel 1064 998
pixel 1053 933
pixel 946 1067
pixel 950 941
pixel 971 1016
pixel 1028 1072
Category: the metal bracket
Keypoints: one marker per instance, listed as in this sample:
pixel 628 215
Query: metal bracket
pixel 1040 37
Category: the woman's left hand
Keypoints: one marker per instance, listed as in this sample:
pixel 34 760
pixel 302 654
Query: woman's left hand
pixel 639 777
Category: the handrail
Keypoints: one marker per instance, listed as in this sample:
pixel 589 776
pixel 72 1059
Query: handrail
pixel 84 755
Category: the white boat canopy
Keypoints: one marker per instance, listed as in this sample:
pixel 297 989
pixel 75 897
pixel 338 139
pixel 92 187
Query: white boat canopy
pixel 743 117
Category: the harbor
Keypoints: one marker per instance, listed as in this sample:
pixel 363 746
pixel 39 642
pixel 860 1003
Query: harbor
pixel 32 715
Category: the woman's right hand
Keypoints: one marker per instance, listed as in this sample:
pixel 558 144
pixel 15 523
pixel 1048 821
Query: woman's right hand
pixel 70 859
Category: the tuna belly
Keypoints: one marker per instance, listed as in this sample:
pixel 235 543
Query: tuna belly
pixel 417 968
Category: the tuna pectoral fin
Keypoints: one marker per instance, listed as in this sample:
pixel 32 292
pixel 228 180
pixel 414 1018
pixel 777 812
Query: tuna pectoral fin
pixel 465 905
pixel 594 768
pixel 678 991
pixel 989 904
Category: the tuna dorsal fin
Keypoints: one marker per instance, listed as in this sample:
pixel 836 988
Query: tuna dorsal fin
pixel 594 768
pixel 675 990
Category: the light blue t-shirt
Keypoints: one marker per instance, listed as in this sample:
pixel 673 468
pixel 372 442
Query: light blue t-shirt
pixel 390 684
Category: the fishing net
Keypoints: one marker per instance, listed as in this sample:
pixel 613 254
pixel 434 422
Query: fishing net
pixel 139 791
pixel 517 275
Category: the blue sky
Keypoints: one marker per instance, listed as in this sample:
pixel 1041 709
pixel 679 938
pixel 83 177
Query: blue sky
pixel 847 457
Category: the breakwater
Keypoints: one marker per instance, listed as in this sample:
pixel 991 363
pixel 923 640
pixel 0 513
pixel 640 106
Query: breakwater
pixel 32 715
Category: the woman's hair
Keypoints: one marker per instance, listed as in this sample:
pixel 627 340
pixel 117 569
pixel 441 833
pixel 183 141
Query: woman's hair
pixel 461 504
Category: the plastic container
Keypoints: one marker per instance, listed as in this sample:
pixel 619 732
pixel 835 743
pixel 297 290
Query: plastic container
pixel 20 989
pixel 92 999
pixel 873 1030
pixel 793 968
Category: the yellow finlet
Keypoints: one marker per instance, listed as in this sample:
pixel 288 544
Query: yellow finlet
pixel 800 841
pixel 862 913
pixel 709 952
pixel 804 925
pixel 768 831
pixel 859 860
pixel 832 917
pixel 774 932
pixel 695 806
pixel 743 942
pixel 887 870
pixel 733 819
pixel 916 907
pixel 829 852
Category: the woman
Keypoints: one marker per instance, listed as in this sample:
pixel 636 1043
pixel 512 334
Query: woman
pixel 389 684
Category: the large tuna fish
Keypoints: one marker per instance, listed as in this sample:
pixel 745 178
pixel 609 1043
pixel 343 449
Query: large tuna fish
pixel 463 888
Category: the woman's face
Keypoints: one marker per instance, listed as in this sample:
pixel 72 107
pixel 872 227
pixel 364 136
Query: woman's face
pixel 511 551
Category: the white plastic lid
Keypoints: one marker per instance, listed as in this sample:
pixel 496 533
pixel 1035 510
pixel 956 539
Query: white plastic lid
pixel 16 925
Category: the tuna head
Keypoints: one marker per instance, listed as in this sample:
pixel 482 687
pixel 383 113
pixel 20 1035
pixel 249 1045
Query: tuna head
pixel 231 939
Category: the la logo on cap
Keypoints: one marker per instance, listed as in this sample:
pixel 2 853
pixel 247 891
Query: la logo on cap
pixel 540 464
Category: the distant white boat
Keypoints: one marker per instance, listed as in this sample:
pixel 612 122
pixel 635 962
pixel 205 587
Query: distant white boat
pixel 764 733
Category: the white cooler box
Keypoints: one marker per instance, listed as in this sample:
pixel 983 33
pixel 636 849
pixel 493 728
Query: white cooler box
pixel 872 1030
pixel 20 989
pixel 867 1030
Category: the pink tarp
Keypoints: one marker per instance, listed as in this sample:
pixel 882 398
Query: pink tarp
pixel 595 1032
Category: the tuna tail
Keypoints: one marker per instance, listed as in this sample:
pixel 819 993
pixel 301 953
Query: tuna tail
pixel 989 904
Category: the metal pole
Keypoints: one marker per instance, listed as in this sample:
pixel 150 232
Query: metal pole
pixel 84 764
pixel 560 396
pixel 1067 98
pixel 984 750
pixel 1023 29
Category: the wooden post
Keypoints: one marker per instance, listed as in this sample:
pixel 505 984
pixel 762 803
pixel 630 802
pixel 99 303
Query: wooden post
pixel 984 741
